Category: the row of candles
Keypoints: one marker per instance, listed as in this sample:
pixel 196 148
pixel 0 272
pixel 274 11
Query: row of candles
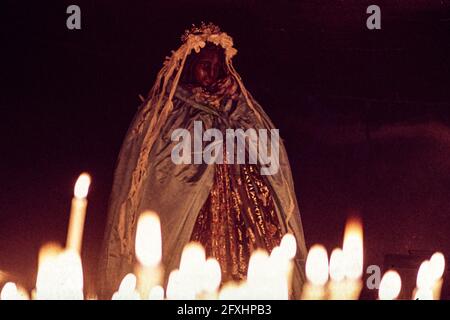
pixel 60 271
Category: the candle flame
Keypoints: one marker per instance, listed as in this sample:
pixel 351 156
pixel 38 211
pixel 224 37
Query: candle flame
pixel 424 276
pixel 353 248
pixel 280 261
pixel 128 283
pixel 82 186
pixel 267 276
pixel 423 294
pixel 213 275
pixel 289 245
pixel 46 265
pixel 127 289
pixel 257 266
pixel 337 265
pixel 60 274
pixel 193 258
pixel 11 292
pixel 156 293
pixel 173 284
pixel 192 264
pixel 71 273
pixel 177 288
pixel 390 286
pixel 148 239
pixel 230 291
pixel 437 264
pixel 317 265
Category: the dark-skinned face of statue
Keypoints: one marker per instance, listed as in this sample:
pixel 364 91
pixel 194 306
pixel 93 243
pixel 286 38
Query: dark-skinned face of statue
pixel 207 68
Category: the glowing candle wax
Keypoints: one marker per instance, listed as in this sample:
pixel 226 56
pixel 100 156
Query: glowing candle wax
pixel 316 273
pixel 127 289
pixel 148 247
pixel 424 282
pixel 437 265
pixel 11 292
pixel 78 213
pixel 390 286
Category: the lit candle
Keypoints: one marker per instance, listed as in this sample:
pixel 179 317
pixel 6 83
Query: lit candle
pixel 45 281
pixel 353 249
pixel 60 274
pixel 346 265
pixel 127 289
pixel 288 248
pixel 353 258
pixel 437 265
pixel 281 266
pixel 337 265
pixel 78 213
pixel 390 286
pixel 280 270
pixel 176 288
pixel 70 274
pixel 337 286
pixel 429 278
pixel 424 282
pixel 211 280
pixel 316 273
pixel 231 291
pixel 148 247
pixel 11 292
pixel 192 264
pixel 288 245
pixel 156 293
pixel 260 277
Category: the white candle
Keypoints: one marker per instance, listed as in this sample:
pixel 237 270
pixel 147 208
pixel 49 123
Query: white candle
pixel 45 281
pixel 11 292
pixel 337 265
pixel 424 282
pixel 78 213
pixel 288 248
pixel 211 280
pixel 261 277
pixel 429 278
pixel 156 293
pixel 353 249
pixel 437 264
pixel 316 273
pixel 192 263
pixel 177 289
pixel 280 267
pixel 148 247
pixel 337 286
pixel 127 289
pixel 232 291
pixel 70 275
pixel 353 258
pixel 60 274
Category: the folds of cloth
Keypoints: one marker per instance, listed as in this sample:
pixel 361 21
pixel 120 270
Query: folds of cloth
pixel 237 218
pixel 230 208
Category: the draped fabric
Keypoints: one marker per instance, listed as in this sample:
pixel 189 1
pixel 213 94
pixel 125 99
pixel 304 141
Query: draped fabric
pixel 237 218
pixel 146 178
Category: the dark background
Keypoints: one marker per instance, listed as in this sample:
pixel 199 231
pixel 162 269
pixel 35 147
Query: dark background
pixel 364 114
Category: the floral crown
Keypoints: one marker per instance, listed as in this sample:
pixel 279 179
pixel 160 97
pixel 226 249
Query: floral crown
pixel 196 37
pixel 209 28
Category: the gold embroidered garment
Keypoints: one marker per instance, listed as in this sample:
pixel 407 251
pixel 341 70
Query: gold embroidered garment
pixel 238 217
